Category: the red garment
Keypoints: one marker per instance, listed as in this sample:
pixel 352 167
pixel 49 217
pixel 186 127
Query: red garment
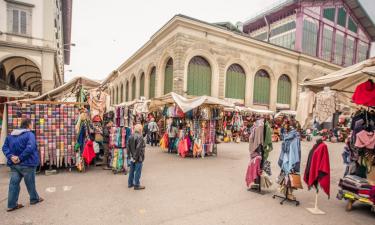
pixel 319 169
pixel 365 94
pixel 253 170
pixel 88 152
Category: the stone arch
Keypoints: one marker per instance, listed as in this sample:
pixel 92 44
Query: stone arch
pixel 214 69
pixel 21 73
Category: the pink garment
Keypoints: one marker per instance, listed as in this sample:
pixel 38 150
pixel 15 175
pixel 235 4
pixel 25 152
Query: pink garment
pixel 253 170
pixel 365 139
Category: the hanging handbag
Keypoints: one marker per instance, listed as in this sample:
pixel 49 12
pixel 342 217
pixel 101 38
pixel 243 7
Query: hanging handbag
pixel 295 181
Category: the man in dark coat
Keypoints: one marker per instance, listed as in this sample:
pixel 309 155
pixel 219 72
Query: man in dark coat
pixel 136 153
pixel 22 157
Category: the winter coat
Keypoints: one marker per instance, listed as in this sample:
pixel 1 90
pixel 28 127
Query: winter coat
pixel 21 143
pixel 136 148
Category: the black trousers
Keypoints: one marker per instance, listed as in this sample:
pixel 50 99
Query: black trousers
pixel 154 140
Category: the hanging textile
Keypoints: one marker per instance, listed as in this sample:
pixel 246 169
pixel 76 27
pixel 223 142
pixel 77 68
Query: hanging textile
pixel 318 168
pixel 290 155
pixel 326 105
pixel 97 102
pixel 305 107
pixel 364 94
pixel 253 170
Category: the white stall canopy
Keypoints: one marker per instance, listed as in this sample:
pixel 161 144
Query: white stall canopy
pixel 346 79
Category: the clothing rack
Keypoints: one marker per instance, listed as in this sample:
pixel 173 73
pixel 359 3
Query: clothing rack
pixel 285 198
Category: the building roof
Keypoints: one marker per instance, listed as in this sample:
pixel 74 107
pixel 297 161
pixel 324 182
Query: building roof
pixel 215 29
pixel 67 6
pixel 354 5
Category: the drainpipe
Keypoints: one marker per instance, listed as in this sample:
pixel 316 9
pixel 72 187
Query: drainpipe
pixel 268 28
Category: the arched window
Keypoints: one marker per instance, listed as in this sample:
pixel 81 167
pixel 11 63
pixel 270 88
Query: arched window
pixel 133 88
pixel 127 91
pixel 152 83
pixel 199 77
pixel 117 93
pixel 122 93
pixel 142 85
pixel 235 82
pixel 262 88
pixel 168 77
pixel 284 90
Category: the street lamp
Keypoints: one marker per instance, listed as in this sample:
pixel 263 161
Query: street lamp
pixel 71 44
pixel 68 71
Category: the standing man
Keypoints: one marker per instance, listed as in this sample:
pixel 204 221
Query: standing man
pixel 136 153
pixel 22 157
pixel 153 129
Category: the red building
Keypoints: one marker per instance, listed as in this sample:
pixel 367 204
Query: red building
pixel 338 31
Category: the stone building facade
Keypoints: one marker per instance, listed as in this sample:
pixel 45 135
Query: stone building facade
pixel 34 44
pixel 264 71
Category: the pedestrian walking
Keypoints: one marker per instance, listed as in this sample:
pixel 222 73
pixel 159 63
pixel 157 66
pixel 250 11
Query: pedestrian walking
pixel 22 156
pixel 136 154
pixel 153 129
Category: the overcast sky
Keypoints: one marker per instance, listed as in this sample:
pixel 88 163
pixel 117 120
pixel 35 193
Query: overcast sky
pixel 106 33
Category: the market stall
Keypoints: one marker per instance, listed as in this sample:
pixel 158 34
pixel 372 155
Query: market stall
pixel 68 133
pixel 126 115
pixel 356 82
pixel 196 121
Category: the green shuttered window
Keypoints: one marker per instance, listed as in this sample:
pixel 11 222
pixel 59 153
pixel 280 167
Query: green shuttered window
pixel 199 77
pixel 117 94
pixel 168 77
pixel 152 83
pixel 235 82
pixel 329 13
pixel 122 93
pixel 133 88
pixel 142 85
pixel 341 18
pixel 262 88
pixel 127 91
pixel 284 89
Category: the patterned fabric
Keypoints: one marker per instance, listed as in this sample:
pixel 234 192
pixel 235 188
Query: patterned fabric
pixel 325 105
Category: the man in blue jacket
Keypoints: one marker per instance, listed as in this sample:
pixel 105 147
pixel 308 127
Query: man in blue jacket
pixel 22 157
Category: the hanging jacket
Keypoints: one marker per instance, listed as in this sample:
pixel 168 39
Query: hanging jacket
pixel 290 155
pixel 21 143
pixel 318 168
pixel 267 140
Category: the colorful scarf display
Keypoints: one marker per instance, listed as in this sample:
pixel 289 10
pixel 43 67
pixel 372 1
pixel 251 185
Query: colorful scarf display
pixel 54 127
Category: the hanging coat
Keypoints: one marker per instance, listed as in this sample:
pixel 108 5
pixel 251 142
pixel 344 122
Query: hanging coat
pixel 318 169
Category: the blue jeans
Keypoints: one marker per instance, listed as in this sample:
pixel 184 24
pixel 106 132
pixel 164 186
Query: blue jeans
pixel 18 172
pixel 171 144
pixel 135 173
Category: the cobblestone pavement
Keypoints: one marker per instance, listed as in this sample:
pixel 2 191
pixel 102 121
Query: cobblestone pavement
pixel 179 191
